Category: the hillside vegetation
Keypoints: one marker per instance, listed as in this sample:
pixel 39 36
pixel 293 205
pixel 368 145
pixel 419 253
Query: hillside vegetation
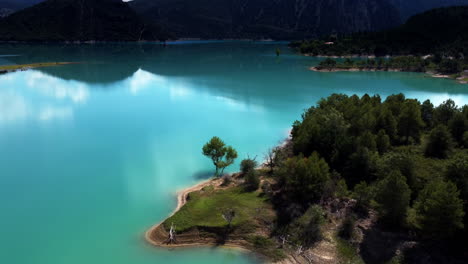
pixel 71 20
pixel 362 180
pixel 441 31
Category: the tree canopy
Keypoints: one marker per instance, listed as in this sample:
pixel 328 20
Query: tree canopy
pixel 221 155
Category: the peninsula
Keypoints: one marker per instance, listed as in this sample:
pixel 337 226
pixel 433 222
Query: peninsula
pixel 388 185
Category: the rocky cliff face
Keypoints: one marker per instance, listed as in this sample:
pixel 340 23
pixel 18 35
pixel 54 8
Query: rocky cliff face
pixel 267 18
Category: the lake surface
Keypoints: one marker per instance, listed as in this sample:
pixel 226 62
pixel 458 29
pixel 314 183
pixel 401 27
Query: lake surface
pixel 92 154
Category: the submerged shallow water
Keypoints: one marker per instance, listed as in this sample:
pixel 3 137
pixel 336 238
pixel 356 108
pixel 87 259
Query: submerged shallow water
pixel 91 154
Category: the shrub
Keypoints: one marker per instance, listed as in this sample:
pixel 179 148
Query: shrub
pixel 346 230
pixel 307 229
pixel 248 165
pixel 252 180
pixel 363 195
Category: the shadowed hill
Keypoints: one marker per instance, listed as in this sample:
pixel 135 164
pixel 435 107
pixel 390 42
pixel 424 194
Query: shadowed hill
pixel 281 19
pixel 71 20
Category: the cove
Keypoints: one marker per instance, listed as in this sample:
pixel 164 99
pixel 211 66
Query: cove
pixel 91 154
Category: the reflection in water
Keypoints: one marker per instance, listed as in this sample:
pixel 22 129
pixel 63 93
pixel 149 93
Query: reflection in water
pixel 38 96
pixel 12 107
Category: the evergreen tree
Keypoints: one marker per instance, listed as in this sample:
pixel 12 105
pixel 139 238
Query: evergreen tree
pixel 439 143
pixel 382 142
pixel 363 195
pixel 445 111
pixel 387 122
pixel 393 196
pixel 458 125
pixel 304 179
pixel 410 122
pixel 427 113
pixel 439 210
pixel 457 172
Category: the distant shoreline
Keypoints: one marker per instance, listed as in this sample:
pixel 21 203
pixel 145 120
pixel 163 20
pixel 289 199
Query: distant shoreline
pixel 162 42
pixel 461 80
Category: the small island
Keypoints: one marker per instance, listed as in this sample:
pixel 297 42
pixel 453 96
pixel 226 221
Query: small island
pixel 361 180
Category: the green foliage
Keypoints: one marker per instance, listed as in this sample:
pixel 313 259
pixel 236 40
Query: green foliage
pixel 267 247
pixel 458 125
pixel 438 210
pixel 248 165
pixel 427 113
pixel 221 155
pixel 393 196
pixel 457 172
pixel 404 163
pixel 450 66
pixel 307 229
pixel 252 180
pixel 347 253
pixel 441 32
pixel 327 64
pixel 439 143
pixel 376 146
pixel 386 121
pixel 382 142
pixel 341 190
pixel 312 134
pixel 304 179
pixel 361 166
pixel 363 195
pixel 410 122
pixel 346 230
pixel 445 111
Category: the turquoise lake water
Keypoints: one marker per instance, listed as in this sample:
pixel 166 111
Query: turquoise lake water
pixel 92 154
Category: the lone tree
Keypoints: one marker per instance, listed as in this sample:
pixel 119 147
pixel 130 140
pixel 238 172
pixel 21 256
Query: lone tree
pixel 221 155
pixel 229 216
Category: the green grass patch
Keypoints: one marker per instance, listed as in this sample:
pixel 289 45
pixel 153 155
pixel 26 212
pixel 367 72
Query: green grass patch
pixel 347 254
pixel 204 209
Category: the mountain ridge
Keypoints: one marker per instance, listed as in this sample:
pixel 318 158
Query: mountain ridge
pixel 85 20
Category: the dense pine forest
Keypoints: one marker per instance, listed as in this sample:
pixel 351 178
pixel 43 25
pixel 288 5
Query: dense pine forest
pixel 402 161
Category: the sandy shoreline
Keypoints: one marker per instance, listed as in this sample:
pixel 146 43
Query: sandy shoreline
pixel 181 201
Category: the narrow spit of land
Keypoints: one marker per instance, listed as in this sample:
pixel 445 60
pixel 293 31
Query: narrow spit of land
pixel 24 67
